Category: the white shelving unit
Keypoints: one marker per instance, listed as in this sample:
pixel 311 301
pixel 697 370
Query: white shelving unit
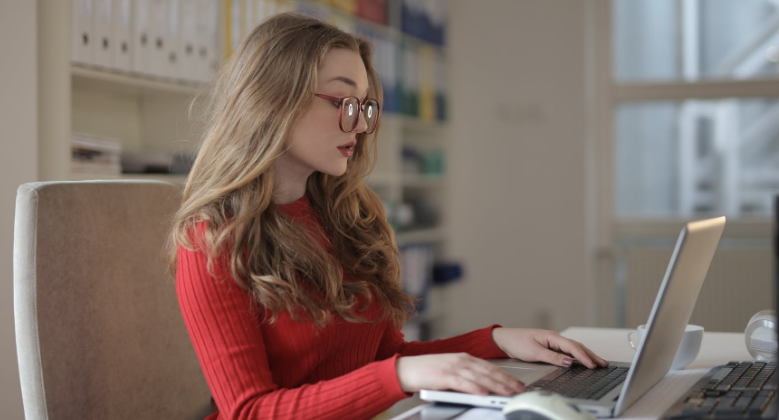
pixel 150 114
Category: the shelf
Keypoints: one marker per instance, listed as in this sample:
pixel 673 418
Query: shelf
pixel 375 26
pixel 130 83
pixel 425 317
pixel 408 122
pixel 423 181
pixel 421 235
pixel 176 179
pixel 382 181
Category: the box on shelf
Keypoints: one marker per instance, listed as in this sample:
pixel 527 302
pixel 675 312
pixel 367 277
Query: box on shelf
pixel 95 155
pixel 416 261
pixel 155 163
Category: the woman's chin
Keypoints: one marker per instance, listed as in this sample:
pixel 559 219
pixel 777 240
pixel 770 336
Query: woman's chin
pixel 335 171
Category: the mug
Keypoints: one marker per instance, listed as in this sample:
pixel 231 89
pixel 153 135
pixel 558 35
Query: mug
pixel 688 348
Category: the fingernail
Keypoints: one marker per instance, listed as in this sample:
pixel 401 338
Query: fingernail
pixel 567 362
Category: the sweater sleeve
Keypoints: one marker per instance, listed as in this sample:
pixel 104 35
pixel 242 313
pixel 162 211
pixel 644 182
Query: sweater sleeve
pixel 224 326
pixel 477 343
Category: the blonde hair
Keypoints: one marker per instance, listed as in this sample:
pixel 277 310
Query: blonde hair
pixel 260 93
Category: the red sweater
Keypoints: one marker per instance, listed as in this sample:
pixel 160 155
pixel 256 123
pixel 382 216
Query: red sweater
pixel 293 370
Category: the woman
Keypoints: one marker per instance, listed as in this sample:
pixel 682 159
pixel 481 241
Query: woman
pixel 287 271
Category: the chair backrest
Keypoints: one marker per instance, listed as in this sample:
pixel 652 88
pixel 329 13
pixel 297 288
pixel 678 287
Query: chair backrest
pixel 98 330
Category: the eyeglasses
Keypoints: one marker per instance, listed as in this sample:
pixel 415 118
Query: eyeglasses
pixel 350 109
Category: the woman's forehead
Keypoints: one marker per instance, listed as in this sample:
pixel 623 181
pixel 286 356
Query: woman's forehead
pixel 342 66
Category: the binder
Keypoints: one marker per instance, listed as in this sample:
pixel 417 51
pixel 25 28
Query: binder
pixel 101 28
pixel 82 32
pixel 121 53
pixel 142 37
pixel 426 84
pixel 248 17
pixel 158 19
pixel 172 39
pixel 207 57
pixel 188 42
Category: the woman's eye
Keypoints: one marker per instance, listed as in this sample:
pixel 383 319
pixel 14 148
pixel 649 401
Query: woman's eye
pixel 336 104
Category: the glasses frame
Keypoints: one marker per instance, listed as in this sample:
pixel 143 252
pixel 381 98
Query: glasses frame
pixel 360 109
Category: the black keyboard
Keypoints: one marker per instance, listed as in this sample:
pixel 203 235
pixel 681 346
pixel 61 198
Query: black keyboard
pixel 738 390
pixel 580 382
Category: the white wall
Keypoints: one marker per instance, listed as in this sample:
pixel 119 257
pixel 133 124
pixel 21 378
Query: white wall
pixel 517 163
pixel 18 160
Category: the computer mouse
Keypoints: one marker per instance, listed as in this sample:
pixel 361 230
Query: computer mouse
pixel 543 405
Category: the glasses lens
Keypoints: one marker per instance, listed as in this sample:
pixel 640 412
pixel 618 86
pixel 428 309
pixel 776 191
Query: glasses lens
pixel 371 113
pixel 349 113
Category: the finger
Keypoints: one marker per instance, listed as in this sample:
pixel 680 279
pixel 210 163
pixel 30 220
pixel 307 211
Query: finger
pixel 485 381
pixel 554 358
pixel 573 348
pixel 598 360
pixel 463 384
pixel 488 369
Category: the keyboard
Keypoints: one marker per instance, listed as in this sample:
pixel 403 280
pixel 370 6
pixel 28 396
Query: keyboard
pixel 580 382
pixel 738 390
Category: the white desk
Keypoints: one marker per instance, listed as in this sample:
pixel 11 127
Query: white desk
pixel 612 344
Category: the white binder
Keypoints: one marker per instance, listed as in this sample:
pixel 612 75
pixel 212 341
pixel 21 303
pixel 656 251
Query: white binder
pixel 121 51
pixel 141 36
pixel 208 59
pixel 188 42
pixel 158 20
pixel 101 26
pixel 172 28
pixel 82 32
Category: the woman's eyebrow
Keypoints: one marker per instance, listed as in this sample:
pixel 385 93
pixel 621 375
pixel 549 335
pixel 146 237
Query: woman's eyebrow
pixel 346 80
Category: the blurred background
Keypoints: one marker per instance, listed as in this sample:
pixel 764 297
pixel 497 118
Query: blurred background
pixel 537 158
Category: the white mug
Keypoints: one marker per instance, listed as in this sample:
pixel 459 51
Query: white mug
pixel 688 348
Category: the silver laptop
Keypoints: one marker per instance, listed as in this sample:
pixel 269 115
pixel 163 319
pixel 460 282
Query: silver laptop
pixel 667 321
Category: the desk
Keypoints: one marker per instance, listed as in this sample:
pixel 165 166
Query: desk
pixel 612 344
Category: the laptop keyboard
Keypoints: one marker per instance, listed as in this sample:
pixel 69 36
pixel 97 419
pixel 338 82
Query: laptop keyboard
pixel 736 390
pixel 580 382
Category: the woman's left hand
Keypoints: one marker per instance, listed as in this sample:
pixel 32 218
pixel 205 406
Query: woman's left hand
pixel 533 345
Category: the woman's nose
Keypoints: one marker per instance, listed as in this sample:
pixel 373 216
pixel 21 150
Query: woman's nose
pixel 362 125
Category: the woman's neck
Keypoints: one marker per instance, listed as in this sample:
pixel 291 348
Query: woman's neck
pixel 289 180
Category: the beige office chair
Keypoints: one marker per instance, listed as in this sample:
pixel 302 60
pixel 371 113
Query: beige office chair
pixel 98 331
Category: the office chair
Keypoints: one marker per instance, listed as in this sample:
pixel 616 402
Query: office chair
pixel 98 331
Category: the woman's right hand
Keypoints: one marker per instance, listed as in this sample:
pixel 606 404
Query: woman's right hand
pixel 457 372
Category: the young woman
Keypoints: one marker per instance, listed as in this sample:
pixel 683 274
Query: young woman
pixel 287 271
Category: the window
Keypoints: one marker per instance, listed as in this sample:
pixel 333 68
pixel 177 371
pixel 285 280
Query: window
pixel 695 95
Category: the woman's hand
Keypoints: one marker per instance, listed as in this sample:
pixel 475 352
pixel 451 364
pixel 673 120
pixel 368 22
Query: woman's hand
pixel 544 346
pixel 455 371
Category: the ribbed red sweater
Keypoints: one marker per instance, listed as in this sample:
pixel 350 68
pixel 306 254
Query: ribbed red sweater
pixel 293 370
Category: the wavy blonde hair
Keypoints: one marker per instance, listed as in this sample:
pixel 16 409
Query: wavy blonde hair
pixel 259 95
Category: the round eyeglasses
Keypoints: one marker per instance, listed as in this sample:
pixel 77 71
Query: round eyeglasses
pixel 350 109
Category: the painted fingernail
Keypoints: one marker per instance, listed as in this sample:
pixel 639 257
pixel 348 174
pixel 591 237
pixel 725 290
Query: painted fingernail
pixel 567 362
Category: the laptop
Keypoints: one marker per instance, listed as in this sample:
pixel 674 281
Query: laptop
pixel 608 392
pixel 744 390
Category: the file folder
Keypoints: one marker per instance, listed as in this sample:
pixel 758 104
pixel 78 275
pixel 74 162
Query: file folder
pixel 101 25
pixel 189 41
pixel 158 19
pixel 208 59
pixel 82 32
pixel 172 39
pixel 142 37
pixel 121 53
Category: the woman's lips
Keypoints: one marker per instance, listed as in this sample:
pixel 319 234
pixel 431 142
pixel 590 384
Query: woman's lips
pixel 347 151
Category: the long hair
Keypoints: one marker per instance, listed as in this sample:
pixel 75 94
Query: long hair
pixel 259 95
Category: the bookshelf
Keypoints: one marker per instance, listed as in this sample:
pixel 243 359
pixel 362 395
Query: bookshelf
pixel 150 114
